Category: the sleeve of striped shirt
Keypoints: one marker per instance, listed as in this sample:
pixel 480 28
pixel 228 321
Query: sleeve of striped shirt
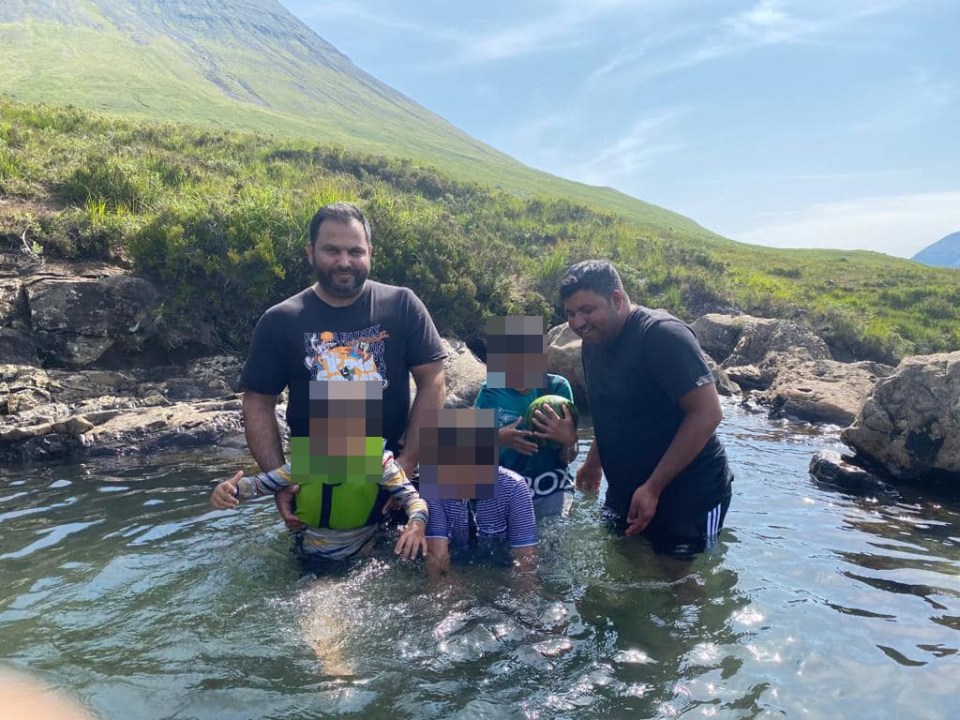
pixel 395 482
pixel 267 483
pixel 522 523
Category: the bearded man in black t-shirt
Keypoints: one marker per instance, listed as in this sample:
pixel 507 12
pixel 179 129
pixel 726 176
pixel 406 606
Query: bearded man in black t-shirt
pixel 344 327
pixel 655 411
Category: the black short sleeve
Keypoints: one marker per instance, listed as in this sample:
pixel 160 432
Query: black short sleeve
pixel 264 371
pixel 674 359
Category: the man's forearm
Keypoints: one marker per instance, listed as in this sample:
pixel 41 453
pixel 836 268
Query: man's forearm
pixel 593 455
pixel 262 431
pixel 702 416
pixel 430 392
pixel 691 437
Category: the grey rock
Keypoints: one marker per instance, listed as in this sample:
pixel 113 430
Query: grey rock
pixel 725 385
pixel 563 358
pixel 762 336
pixel 463 374
pixel 831 468
pixel 100 307
pixel 820 391
pixel 910 422
pixel 17 347
pixel 719 334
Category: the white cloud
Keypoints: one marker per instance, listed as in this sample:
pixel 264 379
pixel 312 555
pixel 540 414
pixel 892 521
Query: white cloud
pixel 560 29
pixel 650 138
pixel 897 225
pixel 765 23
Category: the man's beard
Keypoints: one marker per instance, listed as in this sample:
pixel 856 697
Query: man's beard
pixel 335 285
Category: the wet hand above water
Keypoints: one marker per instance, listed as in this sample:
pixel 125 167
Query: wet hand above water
pixel 643 506
pixel 412 541
pixel 224 495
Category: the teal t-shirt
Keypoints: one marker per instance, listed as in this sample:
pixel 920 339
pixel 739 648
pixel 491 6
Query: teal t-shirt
pixel 545 471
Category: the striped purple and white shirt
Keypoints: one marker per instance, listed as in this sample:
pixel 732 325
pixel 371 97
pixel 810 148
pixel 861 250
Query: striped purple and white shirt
pixel 507 515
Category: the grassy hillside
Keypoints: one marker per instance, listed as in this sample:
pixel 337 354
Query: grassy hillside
pixel 250 65
pixel 219 220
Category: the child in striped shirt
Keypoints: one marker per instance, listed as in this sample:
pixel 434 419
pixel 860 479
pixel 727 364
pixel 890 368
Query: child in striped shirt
pixel 474 503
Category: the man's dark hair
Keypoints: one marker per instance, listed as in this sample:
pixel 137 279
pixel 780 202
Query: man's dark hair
pixel 598 276
pixel 341 212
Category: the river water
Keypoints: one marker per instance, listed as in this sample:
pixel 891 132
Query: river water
pixel 118 584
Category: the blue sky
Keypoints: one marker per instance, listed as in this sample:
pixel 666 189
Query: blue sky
pixel 812 123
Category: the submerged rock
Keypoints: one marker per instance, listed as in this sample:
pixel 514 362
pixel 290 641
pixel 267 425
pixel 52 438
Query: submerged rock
pixel 832 468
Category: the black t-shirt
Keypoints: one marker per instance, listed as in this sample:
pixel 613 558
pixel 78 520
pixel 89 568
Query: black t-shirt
pixel 380 336
pixel 634 386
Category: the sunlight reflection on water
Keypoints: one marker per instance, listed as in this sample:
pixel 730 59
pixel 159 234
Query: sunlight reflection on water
pixel 148 605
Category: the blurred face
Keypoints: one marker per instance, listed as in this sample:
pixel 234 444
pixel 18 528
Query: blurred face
pixel 593 317
pixel 458 455
pixel 346 429
pixel 516 352
pixel 340 257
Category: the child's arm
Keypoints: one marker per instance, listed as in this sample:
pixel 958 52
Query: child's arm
pixel 524 558
pixel 224 495
pixel 522 528
pixel 394 481
pixel 227 494
pixel 438 556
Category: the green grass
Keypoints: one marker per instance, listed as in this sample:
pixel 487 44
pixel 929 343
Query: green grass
pixel 219 218
pixel 295 89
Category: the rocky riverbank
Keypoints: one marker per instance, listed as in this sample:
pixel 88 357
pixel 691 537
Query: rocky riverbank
pixel 90 365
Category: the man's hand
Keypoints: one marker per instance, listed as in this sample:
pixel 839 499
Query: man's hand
pixel 284 502
pixel 551 426
pixel 224 495
pixel 518 440
pixel 412 540
pixel 591 471
pixel 643 506
pixel 588 477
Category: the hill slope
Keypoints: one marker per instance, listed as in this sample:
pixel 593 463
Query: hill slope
pixel 251 65
pixel 945 252
pixel 219 220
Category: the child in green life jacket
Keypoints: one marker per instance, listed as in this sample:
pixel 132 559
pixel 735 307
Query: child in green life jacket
pixel 343 470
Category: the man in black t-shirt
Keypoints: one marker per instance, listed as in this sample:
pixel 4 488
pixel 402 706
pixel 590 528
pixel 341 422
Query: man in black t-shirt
pixel 655 411
pixel 345 327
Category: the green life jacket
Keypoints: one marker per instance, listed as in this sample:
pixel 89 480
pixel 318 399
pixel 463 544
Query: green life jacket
pixel 338 506
pixel 326 501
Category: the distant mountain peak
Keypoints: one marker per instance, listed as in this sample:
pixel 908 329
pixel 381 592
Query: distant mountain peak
pixel 945 252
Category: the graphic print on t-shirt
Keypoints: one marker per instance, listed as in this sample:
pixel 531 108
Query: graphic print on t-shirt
pixel 346 355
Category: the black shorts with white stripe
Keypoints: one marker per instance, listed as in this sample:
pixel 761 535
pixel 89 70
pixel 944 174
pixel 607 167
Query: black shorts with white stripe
pixel 682 534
